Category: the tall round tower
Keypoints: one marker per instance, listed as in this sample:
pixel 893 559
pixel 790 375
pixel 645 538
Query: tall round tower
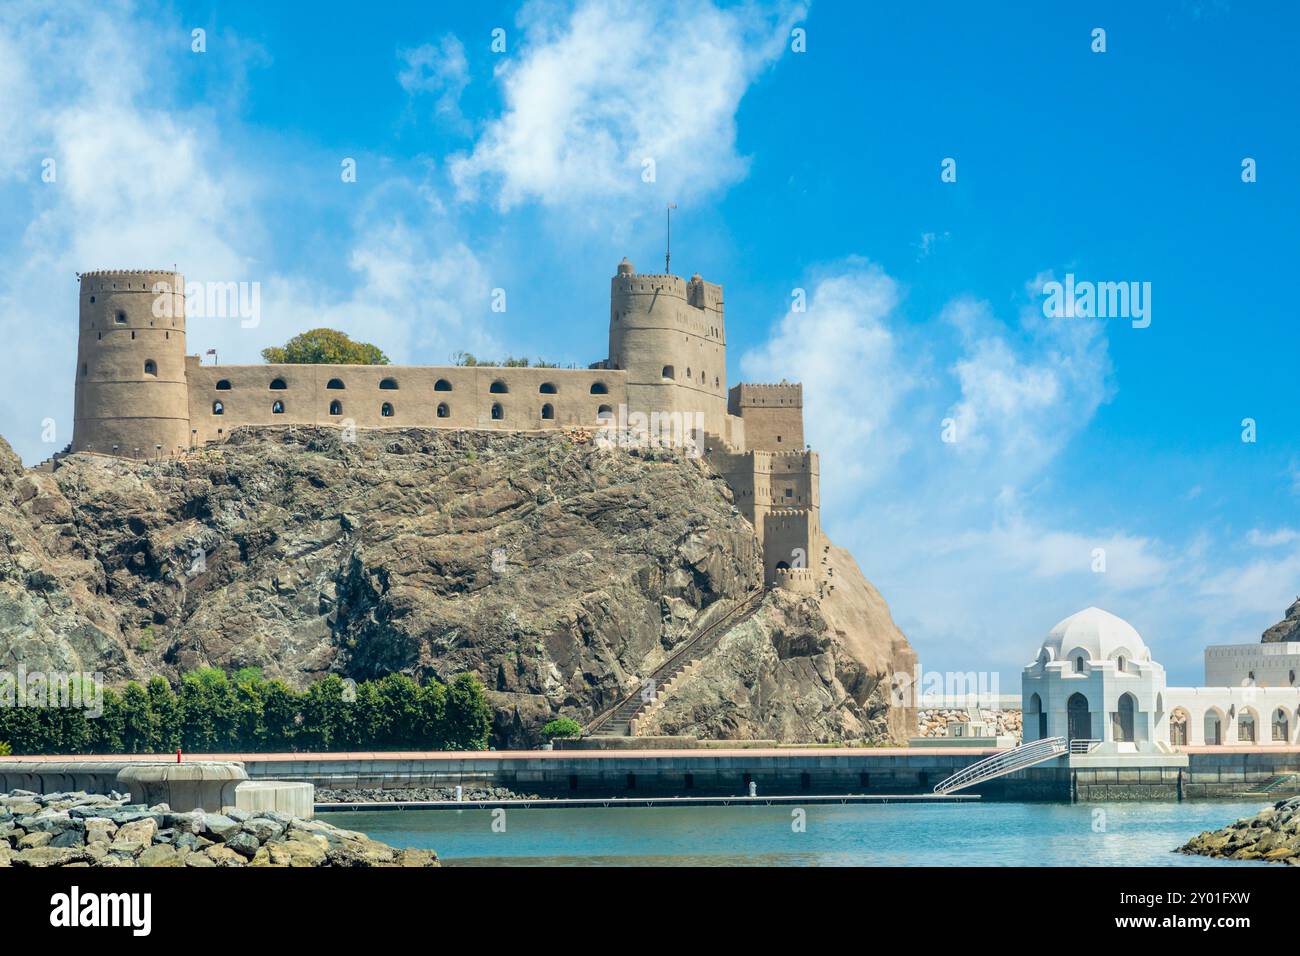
pixel 131 397
pixel 669 334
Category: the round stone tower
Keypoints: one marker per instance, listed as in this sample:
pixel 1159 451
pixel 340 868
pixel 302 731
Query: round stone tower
pixel 131 397
pixel 670 337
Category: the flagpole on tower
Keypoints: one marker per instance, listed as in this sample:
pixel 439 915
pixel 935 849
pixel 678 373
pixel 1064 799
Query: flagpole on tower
pixel 668 249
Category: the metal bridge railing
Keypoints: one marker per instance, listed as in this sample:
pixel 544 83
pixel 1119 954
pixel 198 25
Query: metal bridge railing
pixel 1003 763
pixel 1079 746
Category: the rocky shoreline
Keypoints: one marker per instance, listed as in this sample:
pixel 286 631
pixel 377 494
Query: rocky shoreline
pixel 416 794
pixel 1272 835
pixel 83 829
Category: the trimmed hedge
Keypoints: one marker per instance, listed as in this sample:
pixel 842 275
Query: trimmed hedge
pixel 214 712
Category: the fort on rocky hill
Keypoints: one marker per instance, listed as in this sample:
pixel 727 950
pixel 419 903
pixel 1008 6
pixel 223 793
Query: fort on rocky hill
pixel 567 535
pixel 140 395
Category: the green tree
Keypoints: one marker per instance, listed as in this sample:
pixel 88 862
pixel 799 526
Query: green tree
pixel 324 347
pixel 469 719
pixel 401 709
pixel 326 716
pixel 280 712
pixel 165 710
pixel 140 724
pixel 209 712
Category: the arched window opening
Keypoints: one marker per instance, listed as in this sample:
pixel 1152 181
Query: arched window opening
pixel 277 385
pixel 388 384
pixel 548 412
pixel 335 383
pixel 386 410
pixel 151 368
pixel 120 318
pixel 442 385
pixel 497 413
pixel 1246 728
pixel 1122 727
pixel 548 388
pixel 443 410
pixel 498 388
pixel 1281 726
pixel 599 388
pixel 1078 664
pixel 1078 722
pixel 223 385
pixel 668 372
pixel 218 408
pixel 1120 664
pixel 1213 729
pixel 1035 714
pixel 604 413
pixel 336 407
pixel 277 407
pixel 1178 727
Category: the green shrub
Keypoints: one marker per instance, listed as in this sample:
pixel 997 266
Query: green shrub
pixel 5 749
pixel 562 727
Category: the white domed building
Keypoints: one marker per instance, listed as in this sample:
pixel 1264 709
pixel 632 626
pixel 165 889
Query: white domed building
pixel 1094 681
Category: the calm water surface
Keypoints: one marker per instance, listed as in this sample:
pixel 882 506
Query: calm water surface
pixel 989 834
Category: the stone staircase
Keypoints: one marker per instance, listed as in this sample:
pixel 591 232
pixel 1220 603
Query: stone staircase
pixel 51 463
pixel 1289 782
pixel 621 719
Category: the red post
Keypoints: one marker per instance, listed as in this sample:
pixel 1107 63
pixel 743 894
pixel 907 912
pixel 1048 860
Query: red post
pixel 178 754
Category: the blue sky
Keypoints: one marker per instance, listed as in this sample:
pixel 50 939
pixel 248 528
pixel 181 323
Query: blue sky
pixel 816 170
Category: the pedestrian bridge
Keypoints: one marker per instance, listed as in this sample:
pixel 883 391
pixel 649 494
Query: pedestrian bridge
pixel 1001 764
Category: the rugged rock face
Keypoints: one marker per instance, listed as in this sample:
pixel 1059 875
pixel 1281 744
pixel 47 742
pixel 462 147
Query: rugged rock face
pixel 802 669
pixel 1288 629
pixel 557 571
pixel 1272 835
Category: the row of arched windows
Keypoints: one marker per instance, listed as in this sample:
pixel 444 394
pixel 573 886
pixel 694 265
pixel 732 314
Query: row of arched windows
pixel 442 385
pixel 671 372
pixel 444 410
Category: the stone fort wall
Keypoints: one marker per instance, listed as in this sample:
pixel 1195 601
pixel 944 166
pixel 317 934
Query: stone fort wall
pixel 138 394
pixel 398 396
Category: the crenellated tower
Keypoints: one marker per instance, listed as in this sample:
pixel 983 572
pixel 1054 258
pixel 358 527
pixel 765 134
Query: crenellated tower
pixel 131 395
pixel 670 335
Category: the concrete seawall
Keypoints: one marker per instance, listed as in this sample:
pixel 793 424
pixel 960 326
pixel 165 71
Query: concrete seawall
pixel 1200 773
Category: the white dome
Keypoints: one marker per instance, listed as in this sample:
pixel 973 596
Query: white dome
pixel 1098 635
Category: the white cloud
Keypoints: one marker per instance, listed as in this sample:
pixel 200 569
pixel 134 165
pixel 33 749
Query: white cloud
pixel 845 352
pixel 1022 401
pixel 591 96
pixel 144 186
pixel 440 70
pixel 1271 539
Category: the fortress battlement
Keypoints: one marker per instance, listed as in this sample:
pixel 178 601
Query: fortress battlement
pixel 125 272
pixel 128 280
pixel 139 394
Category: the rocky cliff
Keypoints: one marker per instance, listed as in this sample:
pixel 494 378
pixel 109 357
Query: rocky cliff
pixel 1288 629
pixel 557 571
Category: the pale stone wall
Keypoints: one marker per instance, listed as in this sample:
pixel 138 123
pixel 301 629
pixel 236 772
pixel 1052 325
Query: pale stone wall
pixel 773 415
pixel 398 396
